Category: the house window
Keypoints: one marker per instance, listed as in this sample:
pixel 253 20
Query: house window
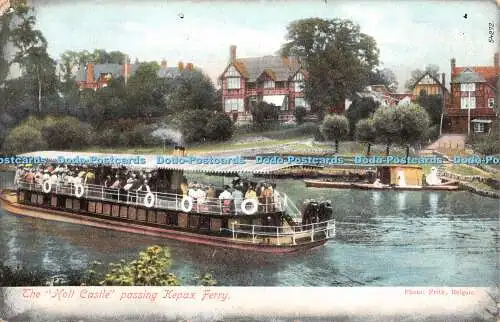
pixel 269 84
pixel 299 86
pixel 478 127
pixel 469 87
pixel 233 83
pixel 300 101
pixel 234 105
pixel 491 102
pixel 468 102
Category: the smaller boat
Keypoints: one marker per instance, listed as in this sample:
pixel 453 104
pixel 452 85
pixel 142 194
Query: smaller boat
pixel 371 186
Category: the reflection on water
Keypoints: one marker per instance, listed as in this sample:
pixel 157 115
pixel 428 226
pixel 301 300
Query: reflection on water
pixel 384 238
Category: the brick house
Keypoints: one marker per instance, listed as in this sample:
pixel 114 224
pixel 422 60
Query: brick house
pixel 271 79
pixel 473 88
pixel 96 76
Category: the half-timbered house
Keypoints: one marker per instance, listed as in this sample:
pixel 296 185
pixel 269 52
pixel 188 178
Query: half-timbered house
pixel 473 88
pixel 272 79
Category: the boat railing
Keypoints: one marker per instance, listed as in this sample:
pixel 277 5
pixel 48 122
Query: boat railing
pixel 159 200
pixel 283 234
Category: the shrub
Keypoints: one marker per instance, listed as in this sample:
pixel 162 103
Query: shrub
pixel 65 133
pixel 24 139
pixel 219 127
pixel 300 113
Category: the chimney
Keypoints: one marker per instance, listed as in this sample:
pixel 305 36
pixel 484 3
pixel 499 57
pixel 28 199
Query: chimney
pixel 232 52
pixel 453 65
pixel 495 61
pixel 90 72
pixel 180 65
pixel 163 64
pixel 189 66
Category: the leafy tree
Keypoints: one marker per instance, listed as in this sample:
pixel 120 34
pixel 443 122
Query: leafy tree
pixel 219 127
pixel 66 133
pixel 337 56
pixel 401 124
pixel 414 123
pixel 193 90
pixel 149 269
pixel 385 77
pixel 335 127
pixel 417 73
pixel 264 115
pixel 24 138
pixel 192 124
pixel 365 132
pixel 387 125
pixel 433 104
pixel 361 108
pixel 300 113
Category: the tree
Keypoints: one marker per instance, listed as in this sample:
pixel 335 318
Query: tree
pixel 24 138
pixel 264 115
pixel 219 127
pixel 300 113
pixel 337 56
pixel 149 269
pixel 406 124
pixel 193 90
pixel 417 73
pixel 192 124
pixel 386 126
pixel 361 108
pixel 384 77
pixel 65 133
pixel 433 104
pixel 335 127
pixel 365 132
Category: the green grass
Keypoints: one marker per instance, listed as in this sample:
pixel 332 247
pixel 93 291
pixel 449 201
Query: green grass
pixel 482 186
pixel 468 171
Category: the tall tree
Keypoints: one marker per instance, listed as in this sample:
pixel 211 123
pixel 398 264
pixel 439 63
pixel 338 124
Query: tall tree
pixel 365 132
pixel 385 77
pixel 417 73
pixel 338 57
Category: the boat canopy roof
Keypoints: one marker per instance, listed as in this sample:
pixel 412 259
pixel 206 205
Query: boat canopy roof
pixel 151 162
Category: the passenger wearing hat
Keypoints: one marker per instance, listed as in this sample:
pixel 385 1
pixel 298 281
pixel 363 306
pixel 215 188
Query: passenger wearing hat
pixel 238 199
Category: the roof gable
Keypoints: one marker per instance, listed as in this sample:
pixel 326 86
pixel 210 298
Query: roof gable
pixel 468 76
pixel 426 76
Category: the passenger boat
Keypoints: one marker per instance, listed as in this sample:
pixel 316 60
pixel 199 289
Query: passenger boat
pixel 275 227
pixel 394 177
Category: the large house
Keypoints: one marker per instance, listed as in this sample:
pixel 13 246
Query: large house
pixel 96 76
pixel 474 90
pixel 272 79
pixel 427 84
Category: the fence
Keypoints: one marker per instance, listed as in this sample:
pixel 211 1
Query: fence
pixel 159 200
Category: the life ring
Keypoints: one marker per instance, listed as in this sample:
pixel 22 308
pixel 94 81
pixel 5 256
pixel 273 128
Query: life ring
pixel 189 206
pixel 79 190
pixel 254 205
pixel 47 186
pixel 149 200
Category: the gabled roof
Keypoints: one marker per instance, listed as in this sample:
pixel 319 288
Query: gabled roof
pixel 423 75
pixel 277 67
pixel 468 76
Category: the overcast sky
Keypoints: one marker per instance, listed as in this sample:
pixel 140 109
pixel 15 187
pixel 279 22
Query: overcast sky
pixel 410 34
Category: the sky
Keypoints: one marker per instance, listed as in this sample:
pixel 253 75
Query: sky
pixel 409 34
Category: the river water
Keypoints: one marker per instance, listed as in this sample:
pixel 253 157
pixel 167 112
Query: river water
pixel 383 239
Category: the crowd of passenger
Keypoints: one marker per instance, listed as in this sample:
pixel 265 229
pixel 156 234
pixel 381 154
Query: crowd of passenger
pixel 128 182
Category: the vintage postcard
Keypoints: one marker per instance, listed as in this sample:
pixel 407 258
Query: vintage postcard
pixel 249 161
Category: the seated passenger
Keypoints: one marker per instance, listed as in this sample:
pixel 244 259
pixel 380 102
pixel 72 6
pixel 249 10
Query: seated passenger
pixel 251 194
pixel 227 198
